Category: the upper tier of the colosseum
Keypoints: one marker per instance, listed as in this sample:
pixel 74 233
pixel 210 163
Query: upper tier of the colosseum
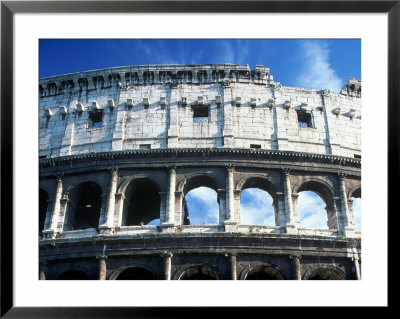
pixel 194 106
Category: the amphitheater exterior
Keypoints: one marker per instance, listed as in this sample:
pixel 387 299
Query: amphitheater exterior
pixel 121 147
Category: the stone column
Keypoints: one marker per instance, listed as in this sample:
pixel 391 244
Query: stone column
pixel 230 224
pixel 102 270
pixel 167 264
pixel 347 229
pixel 109 218
pixel 290 224
pixel 50 232
pixel 357 267
pixel 170 216
pixel 233 265
pixel 296 267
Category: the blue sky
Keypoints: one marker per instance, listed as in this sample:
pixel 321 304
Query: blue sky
pixel 324 63
pixel 308 63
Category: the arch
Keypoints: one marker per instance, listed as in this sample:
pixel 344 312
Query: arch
pixel 262 181
pixel 322 188
pixel 135 273
pixel 132 271
pixel 324 272
pixel 262 272
pixel 73 274
pixel 197 272
pixel 69 185
pixel 84 206
pixel 196 181
pixel 325 192
pixel 125 181
pixel 43 206
pixel 356 193
pixel 142 202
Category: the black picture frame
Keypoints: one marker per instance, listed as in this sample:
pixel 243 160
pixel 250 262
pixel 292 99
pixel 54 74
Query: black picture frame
pixel 9 8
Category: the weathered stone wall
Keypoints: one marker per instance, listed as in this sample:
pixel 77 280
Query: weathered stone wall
pixel 153 107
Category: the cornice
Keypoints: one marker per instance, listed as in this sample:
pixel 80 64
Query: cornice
pixel 276 155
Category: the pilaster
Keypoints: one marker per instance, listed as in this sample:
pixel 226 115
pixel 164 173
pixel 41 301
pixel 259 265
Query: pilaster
pixel 170 216
pixel 108 221
pixel 291 226
pixel 227 132
pixel 51 231
pixel 230 223
pixel 347 224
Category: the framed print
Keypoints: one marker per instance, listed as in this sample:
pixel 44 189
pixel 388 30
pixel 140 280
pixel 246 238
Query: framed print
pixel 120 119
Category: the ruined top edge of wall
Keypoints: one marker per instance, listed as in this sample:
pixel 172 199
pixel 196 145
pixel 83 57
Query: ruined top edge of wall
pixel 175 74
pixel 155 67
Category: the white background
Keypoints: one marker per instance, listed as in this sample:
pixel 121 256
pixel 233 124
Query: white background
pixel 370 291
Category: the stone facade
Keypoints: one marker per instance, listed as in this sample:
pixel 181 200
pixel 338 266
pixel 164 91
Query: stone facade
pixel 120 147
pixel 197 106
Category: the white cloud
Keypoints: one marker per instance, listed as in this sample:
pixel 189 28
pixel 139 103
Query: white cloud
pixel 312 211
pixel 202 206
pixel 317 70
pixel 357 212
pixel 256 208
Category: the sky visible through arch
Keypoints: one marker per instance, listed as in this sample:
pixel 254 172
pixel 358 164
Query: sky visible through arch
pixel 308 63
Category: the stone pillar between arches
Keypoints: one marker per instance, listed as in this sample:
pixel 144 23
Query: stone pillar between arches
pixel 108 219
pixel 102 267
pixel 167 259
pixel 52 230
pixel 230 223
pixel 296 267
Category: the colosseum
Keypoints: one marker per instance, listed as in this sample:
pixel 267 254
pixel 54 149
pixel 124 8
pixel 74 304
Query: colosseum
pixel 120 148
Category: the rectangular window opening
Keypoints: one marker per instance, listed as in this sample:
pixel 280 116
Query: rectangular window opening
pixel 255 146
pixel 96 118
pixel 357 156
pixel 304 119
pixel 200 114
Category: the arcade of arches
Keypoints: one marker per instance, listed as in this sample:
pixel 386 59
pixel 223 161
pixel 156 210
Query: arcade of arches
pixel 89 205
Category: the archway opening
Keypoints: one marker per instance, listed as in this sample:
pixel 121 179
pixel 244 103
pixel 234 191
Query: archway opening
pixel 84 207
pixel 312 211
pixel 356 208
pixel 256 207
pixel 73 275
pixel 143 205
pixel 135 273
pixel 264 273
pixel 326 274
pixel 201 206
pixel 199 273
pixel 315 205
pixel 43 203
